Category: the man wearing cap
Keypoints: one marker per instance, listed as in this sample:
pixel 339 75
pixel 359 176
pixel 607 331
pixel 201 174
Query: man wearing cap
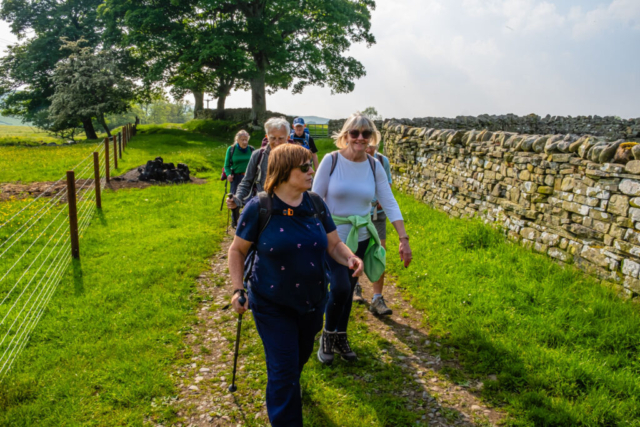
pixel 300 135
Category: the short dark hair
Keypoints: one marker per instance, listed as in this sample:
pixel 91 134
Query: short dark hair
pixel 282 160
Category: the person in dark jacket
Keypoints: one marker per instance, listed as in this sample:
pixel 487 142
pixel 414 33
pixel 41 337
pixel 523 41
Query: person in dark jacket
pixel 235 165
pixel 300 135
pixel 287 286
pixel 277 130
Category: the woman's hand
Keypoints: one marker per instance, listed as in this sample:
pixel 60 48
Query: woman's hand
pixel 230 178
pixel 235 302
pixel 405 252
pixel 356 264
pixel 231 203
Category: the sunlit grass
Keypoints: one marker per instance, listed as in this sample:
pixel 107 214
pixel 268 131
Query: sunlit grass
pixel 564 348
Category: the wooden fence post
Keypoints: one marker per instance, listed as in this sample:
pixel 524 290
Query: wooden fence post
pixel 115 153
pixel 106 158
pixel 120 145
pixel 73 214
pixel 96 179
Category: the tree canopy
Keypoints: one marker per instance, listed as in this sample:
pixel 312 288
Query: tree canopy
pixel 88 85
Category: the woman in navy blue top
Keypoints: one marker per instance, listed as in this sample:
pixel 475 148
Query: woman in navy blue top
pixel 287 284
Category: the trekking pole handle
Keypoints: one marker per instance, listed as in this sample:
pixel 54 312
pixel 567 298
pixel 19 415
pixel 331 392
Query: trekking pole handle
pixel 242 300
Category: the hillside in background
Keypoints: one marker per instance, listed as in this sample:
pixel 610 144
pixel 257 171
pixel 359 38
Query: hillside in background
pixel 315 120
pixel 11 121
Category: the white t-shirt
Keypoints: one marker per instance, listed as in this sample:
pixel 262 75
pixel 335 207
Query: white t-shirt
pixel 350 189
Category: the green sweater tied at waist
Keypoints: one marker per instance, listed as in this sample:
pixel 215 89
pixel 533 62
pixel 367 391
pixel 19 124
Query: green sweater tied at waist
pixel 375 257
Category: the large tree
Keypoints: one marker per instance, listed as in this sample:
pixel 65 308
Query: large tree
pixel 27 68
pixel 191 45
pixel 302 41
pixel 88 84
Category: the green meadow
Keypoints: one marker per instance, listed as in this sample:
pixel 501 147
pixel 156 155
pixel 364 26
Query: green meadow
pixel 552 346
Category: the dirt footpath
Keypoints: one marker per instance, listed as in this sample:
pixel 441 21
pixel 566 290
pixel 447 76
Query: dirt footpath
pixel 204 377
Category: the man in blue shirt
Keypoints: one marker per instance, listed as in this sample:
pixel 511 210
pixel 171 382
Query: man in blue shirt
pixel 300 135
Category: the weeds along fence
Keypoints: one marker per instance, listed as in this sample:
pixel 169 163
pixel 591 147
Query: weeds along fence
pixel 39 237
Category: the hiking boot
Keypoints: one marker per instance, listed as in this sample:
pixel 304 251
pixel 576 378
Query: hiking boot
pixel 379 307
pixel 327 345
pixel 357 294
pixel 342 347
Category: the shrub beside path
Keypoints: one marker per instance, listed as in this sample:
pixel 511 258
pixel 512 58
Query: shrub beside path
pixel 399 371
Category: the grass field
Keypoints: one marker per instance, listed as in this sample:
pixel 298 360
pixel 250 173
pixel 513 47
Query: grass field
pixel 564 349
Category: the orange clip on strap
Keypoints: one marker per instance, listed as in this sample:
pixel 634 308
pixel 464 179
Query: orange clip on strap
pixel 287 212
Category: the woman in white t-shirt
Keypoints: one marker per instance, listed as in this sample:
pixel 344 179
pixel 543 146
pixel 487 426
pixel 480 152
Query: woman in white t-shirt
pixel 348 180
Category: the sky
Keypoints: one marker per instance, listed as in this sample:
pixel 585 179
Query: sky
pixel 467 57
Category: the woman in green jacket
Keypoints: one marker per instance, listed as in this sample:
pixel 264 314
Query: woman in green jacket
pixel 235 165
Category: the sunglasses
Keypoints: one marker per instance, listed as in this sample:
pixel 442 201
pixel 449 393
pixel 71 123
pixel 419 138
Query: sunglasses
pixel 366 134
pixel 305 167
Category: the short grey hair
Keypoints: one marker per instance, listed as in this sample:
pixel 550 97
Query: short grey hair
pixel 276 123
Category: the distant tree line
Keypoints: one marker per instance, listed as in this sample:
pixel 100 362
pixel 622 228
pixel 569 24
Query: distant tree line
pixel 79 62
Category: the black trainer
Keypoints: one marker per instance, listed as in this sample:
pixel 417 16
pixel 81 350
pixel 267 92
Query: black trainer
pixel 357 294
pixel 327 346
pixel 343 348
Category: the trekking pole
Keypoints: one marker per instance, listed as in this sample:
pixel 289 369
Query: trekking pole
pixel 229 196
pixel 224 196
pixel 232 388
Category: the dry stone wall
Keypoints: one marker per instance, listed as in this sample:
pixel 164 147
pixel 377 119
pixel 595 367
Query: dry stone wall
pixel 574 198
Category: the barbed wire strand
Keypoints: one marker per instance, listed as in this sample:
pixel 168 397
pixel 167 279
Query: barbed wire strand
pixel 36 320
pixel 50 203
pixel 30 297
pixel 48 288
pixel 32 202
pixel 22 276
pixel 25 231
pixel 22 256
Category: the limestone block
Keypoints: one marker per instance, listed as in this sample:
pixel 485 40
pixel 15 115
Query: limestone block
pixel 630 187
pixel 632 236
pixel 634 214
pixel 632 284
pixel 550 239
pixel 568 183
pixel 561 157
pixel 529 187
pixel 595 256
pixel 626 247
pixel 564 243
pixel 600 216
pixel 559 254
pixel 584 232
pixel 635 202
pixel 576 208
pixel 618 205
pixel 584 200
pixel 633 167
pixel 545 190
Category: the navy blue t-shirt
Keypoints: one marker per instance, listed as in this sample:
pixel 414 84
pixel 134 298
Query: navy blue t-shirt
pixel 289 268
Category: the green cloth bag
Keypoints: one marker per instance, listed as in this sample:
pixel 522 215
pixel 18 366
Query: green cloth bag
pixel 375 257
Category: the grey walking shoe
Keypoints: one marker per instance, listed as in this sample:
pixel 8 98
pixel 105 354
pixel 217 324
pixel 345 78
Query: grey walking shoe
pixel 357 294
pixel 342 347
pixel 327 345
pixel 379 307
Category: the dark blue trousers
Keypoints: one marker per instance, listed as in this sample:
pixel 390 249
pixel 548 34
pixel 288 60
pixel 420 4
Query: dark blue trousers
pixel 288 339
pixel 341 295
pixel 237 179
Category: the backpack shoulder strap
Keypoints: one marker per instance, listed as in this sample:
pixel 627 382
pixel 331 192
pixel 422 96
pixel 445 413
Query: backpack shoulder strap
pixel 318 205
pixel 251 148
pixel 380 158
pixel 233 149
pixel 334 162
pixel 372 163
pixel 264 215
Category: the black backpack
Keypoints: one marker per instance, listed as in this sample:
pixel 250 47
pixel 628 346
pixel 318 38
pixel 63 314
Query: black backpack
pixel 372 163
pixel 264 216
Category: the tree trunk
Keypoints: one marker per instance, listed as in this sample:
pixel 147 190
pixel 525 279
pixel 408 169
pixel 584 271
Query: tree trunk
pixel 224 89
pixel 88 129
pixel 103 122
pixel 220 110
pixel 199 97
pixel 258 92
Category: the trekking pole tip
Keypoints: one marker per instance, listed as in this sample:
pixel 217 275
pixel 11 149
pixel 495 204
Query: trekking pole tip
pixel 233 388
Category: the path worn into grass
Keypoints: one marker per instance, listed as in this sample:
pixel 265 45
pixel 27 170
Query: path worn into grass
pixel 204 373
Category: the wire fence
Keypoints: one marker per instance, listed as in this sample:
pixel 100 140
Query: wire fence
pixel 37 243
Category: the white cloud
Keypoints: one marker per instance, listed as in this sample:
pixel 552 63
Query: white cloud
pixel 522 16
pixel 625 13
